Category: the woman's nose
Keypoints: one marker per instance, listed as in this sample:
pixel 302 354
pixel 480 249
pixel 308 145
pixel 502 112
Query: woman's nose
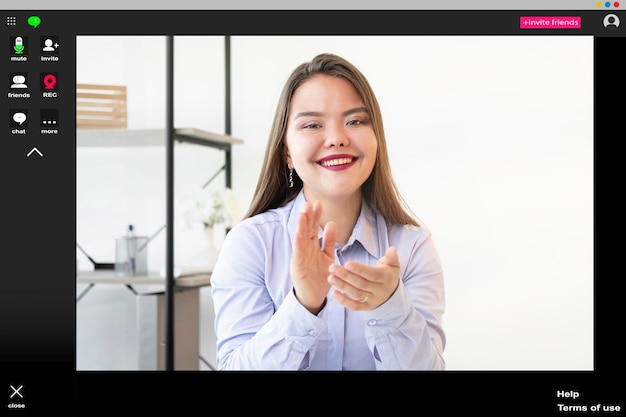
pixel 337 136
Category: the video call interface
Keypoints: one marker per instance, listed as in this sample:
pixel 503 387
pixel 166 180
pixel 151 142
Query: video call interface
pixel 38 289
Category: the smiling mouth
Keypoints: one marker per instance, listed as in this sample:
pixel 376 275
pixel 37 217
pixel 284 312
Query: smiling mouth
pixel 336 162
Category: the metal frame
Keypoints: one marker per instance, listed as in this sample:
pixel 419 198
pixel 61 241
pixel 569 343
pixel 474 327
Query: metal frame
pixel 170 139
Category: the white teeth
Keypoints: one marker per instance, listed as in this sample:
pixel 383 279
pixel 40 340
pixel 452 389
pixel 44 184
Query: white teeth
pixel 334 162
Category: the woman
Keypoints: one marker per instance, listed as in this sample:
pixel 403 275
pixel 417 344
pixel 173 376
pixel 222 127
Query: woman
pixel 329 270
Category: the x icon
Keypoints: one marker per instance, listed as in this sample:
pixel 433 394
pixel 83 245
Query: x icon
pixel 16 391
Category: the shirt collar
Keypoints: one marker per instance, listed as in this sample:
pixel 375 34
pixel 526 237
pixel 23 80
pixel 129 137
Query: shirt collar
pixel 365 231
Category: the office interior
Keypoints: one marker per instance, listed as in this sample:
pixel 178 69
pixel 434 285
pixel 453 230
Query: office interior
pixel 491 144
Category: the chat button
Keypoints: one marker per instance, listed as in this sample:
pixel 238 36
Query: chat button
pixel 18 121
pixel 33 21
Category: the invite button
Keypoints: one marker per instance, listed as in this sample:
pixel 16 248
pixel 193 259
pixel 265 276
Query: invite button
pixel 549 22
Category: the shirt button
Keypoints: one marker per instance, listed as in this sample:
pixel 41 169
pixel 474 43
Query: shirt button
pixel 371 322
pixel 313 333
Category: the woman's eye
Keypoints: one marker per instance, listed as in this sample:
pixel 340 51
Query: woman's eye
pixel 311 126
pixel 354 122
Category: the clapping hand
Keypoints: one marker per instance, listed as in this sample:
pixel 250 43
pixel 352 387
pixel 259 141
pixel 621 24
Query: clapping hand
pixel 357 286
pixel 309 264
pixel 364 287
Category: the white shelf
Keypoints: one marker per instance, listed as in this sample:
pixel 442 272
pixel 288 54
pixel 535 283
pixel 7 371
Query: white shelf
pixel 153 278
pixel 151 137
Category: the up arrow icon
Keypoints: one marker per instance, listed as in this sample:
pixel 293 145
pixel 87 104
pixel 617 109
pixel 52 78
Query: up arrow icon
pixel 34 150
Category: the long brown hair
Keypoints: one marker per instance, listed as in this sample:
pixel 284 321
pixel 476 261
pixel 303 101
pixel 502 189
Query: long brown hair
pixel 379 190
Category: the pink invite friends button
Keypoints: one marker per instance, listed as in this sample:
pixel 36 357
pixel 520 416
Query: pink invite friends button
pixel 549 22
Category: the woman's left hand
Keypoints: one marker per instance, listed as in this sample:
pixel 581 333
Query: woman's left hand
pixel 363 287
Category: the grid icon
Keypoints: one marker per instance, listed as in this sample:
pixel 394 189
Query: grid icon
pixel 11 20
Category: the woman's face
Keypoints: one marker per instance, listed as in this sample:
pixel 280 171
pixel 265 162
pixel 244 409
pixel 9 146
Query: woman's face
pixel 330 140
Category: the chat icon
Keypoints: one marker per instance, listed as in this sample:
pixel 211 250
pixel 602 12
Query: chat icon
pixel 19 118
pixel 34 21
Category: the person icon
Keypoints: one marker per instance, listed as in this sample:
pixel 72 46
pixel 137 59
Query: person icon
pixel 48 47
pixel 611 21
pixel 19 81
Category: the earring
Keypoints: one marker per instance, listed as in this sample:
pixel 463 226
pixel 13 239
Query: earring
pixel 290 177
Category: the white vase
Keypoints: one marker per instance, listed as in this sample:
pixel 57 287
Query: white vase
pixel 206 257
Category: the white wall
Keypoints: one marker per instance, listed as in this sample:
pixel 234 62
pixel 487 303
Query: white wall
pixel 491 142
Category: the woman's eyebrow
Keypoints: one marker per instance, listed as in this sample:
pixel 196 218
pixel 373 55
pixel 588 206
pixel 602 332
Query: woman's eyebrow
pixel 355 110
pixel 308 113
pixel 318 114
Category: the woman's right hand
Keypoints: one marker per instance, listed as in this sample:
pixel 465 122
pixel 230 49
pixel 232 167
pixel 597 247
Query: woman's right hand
pixel 309 264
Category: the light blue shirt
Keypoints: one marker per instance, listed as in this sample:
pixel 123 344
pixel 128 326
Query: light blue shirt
pixel 260 325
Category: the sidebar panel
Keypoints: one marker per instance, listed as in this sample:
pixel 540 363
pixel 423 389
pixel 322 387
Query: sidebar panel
pixel 37 283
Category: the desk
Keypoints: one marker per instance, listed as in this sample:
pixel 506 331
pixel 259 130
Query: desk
pixel 149 308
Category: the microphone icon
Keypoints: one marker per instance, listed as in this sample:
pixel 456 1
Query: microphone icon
pixel 19 45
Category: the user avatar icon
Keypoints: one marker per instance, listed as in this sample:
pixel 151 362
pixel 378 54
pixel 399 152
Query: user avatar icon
pixel 611 21
pixel 48 46
pixel 19 81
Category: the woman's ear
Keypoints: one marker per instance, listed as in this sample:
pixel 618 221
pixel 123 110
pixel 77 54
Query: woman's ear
pixel 287 157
